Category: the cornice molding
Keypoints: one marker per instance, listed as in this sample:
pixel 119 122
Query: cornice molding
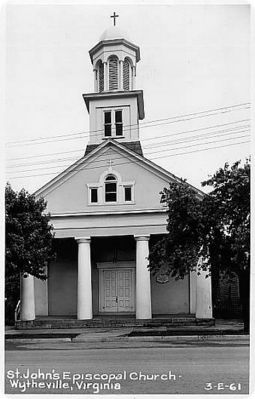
pixel 115 42
pixel 117 94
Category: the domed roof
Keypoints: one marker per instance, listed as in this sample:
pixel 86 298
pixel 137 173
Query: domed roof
pixel 113 33
pixel 110 34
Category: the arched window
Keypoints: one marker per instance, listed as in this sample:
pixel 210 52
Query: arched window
pixel 110 188
pixel 113 73
pixel 100 75
pixel 126 74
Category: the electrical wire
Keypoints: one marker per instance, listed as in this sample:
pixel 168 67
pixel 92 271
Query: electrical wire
pixel 195 115
pixel 225 132
pixel 145 139
pixel 164 156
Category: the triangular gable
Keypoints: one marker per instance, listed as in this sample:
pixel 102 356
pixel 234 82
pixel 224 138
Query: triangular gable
pixel 81 163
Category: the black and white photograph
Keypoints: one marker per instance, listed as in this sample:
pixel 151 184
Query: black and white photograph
pixel 127 145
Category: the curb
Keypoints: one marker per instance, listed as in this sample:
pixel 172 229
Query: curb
pixel 242 339
pixel 37 340
pixel 200 338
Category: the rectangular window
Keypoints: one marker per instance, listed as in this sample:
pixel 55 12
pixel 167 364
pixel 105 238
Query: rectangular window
pixel 110 192
pixel 128 193
pixel 118 123
pixel 107 123
pixel 93 195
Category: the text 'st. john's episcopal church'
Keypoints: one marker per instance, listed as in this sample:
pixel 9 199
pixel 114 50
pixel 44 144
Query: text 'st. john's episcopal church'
pixel 105 209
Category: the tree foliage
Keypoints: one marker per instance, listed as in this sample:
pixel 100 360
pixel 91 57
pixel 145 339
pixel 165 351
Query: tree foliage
pixel 28 234
pixel 215 226
pixel 227 215
pixel 28 241
pixel 177 253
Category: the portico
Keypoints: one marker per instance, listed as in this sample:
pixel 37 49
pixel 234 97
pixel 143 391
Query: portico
pixel 109 276
pixel 113 281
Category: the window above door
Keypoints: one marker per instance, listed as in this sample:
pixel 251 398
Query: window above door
pixel 111 190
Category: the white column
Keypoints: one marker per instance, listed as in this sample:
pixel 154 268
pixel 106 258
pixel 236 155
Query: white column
pixel 27 297
pixel 143 281
pixel 204 294
pixel 41 297
pixel 120 75
pixel 84 286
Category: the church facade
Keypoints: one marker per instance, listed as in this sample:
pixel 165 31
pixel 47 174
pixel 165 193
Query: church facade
pixel 106 212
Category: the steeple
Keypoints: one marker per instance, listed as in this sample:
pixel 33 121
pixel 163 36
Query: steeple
pixel 115 107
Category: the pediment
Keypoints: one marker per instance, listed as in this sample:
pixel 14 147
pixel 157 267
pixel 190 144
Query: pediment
pixel 69 191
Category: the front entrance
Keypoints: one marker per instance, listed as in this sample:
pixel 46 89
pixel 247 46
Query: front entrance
pixel 117 290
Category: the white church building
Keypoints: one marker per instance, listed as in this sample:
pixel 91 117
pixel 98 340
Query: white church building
pixel 106 212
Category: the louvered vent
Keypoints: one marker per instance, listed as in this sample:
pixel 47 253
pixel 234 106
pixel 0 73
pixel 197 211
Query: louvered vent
pixel 101 76
pixel 113 73
pixel 126 75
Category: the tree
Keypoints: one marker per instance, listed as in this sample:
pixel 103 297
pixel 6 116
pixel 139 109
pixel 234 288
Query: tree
pixel 28 242
pixel 227 209
pixel 215 226
pixel 177 253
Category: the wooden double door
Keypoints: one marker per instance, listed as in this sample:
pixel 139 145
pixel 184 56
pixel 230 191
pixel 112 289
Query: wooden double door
pixel 117 290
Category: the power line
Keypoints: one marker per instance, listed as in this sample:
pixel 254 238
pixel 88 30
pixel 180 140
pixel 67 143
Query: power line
pixel 164 156
pixel 196 113
pixel 125 128
pixel 192 145
pixel 192 138
pixel 202 149
pixel 125 163
pixel 116 158
pixel 44 155
pixel 230 131
pixel 145 139
pixel 184 140
pixel 86 133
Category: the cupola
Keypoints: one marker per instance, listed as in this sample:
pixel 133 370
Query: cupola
pixel 114 60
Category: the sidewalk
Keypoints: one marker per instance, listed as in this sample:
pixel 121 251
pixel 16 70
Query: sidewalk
pixel 223 330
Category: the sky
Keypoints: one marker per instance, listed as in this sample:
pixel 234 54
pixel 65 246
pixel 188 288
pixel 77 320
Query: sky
pixel 194 71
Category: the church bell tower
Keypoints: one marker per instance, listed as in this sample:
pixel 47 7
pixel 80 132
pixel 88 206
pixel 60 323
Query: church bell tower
pixel 115 107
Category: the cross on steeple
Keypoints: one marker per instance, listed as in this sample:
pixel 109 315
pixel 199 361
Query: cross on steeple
pixel 114 16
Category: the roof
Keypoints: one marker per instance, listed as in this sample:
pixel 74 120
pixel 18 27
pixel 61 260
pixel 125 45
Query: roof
pixel 75 167
pixel 132 145
pixel 113 32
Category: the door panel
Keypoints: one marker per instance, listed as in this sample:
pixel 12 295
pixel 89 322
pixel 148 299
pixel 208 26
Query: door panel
pixel 117 290
pixel 110 290
pixel 124 293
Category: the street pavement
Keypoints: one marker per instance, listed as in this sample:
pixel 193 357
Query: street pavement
pixel 176 367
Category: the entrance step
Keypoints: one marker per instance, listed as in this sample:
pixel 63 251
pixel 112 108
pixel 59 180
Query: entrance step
pixel 62 323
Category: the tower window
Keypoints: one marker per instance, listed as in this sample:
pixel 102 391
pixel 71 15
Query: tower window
pixel 113 73
pixel 113 124
pixel 108 123
pixel 110 189
pixel 118 123
pixel 101 76
pixel 126 74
